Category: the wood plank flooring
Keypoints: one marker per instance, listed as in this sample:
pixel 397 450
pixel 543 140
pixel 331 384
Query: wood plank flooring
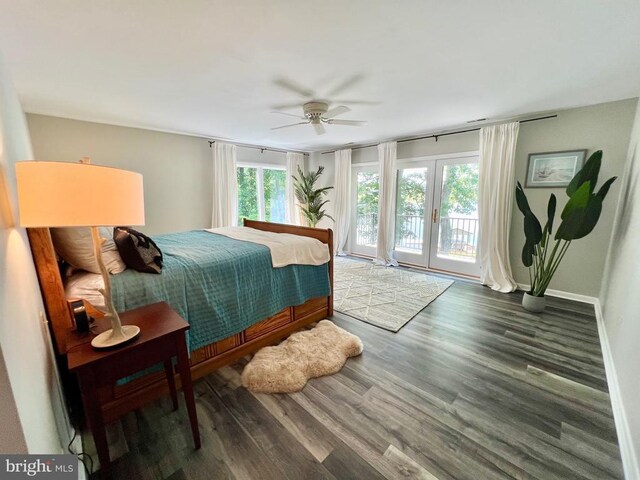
pixel 474 387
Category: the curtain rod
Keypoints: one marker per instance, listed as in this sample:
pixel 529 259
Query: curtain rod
pixel 262 149
pixel 436 136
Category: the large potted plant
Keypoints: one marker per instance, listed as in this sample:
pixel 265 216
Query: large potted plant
pixel 542 252
pixel 311 199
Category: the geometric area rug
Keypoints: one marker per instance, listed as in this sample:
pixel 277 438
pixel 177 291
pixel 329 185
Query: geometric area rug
pixel 387 297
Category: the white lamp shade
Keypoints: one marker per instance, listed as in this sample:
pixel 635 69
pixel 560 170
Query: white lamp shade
pixel 60 194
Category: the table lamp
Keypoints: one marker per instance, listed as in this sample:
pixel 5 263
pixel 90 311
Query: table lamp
pixel 61 194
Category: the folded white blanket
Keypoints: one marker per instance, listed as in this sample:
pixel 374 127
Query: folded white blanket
pixel 286 249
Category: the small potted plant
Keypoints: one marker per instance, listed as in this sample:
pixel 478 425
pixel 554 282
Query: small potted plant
pixel 311 199
pixel 543 253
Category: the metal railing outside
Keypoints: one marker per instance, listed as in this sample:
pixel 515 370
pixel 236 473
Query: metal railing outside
pixel 366 229
pixel 458 237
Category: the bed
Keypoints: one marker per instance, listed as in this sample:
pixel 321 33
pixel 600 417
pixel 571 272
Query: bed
pixel 255 321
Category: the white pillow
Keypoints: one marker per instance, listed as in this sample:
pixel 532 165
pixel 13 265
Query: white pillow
pixel 75 246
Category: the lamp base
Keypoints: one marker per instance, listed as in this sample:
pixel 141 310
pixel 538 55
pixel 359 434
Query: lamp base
pixel 109 340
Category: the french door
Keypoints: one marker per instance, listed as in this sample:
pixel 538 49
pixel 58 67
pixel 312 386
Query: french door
pixel 437 215
pixel 364 230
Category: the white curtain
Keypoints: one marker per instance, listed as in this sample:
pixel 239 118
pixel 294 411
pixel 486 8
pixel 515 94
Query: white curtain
pixel 291 208
pixel 495 201
pixel 225 186
pixel 342 207
pixel 386 203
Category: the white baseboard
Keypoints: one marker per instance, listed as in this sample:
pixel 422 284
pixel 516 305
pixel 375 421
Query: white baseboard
pixel 627 452
pixel 562 294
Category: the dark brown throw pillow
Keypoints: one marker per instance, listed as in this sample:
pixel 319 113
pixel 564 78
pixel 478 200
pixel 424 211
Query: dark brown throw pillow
pixel 137 250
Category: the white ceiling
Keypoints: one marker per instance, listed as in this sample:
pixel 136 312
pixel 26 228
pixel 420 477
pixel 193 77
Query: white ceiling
pixel 212 68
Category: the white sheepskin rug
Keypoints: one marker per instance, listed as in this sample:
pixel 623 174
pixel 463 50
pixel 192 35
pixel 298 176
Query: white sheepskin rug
pixel 285 368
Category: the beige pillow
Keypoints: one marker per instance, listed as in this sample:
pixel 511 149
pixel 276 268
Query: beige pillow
pixel 75 246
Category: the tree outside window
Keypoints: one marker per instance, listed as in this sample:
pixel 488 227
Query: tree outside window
pixel 261 193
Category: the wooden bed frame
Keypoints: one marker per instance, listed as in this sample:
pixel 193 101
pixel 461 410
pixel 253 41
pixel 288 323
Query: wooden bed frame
pixel 117 400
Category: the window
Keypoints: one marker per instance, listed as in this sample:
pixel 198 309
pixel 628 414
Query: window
pixel 247 193
pixel 261 193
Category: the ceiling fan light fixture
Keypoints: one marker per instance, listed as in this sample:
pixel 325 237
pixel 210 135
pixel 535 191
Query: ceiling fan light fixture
pixel 317 113
pixel 315 110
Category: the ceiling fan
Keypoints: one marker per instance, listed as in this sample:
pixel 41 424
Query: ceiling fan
pixel 317 113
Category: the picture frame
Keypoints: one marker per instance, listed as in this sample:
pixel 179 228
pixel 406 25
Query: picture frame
pixel 553 169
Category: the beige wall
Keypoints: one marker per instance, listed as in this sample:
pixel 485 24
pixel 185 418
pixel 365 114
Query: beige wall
pixel 605 126
pixel 620 299
pixel 23 335
pixel 177 169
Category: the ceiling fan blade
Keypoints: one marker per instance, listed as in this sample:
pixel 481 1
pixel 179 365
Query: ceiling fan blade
pixel 291 115
pixel 294 86
pixel 358 102
pixel 334 112
pixel 319 128
pixel 346 84
pixel 352 123
pixel 286 106
pixel 290 125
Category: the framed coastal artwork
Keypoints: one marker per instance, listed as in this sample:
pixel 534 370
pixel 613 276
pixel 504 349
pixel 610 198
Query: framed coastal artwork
pixel 553 169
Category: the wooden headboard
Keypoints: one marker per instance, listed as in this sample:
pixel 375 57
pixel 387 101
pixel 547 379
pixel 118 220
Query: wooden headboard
pixel 52 287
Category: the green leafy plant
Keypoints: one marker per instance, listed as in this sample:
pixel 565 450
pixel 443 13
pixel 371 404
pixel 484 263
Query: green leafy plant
pixel 541 253
pixel 311 199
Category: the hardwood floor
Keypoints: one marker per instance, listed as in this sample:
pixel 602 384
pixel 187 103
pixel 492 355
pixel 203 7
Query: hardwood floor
pixel 473 387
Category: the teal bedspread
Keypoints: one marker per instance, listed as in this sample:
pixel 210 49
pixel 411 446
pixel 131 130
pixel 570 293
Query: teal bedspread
pixel 219 285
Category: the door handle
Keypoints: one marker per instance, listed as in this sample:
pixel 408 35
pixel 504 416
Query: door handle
pixel 435 215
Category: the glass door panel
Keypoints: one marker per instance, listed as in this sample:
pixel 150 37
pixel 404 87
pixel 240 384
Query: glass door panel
pixel 454 237
pixel 365 227
pixel 413 198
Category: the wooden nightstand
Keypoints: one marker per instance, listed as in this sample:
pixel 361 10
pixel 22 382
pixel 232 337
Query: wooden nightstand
pixel 162 336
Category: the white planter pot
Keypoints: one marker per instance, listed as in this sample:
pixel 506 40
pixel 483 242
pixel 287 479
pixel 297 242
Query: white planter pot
pixel 533 304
